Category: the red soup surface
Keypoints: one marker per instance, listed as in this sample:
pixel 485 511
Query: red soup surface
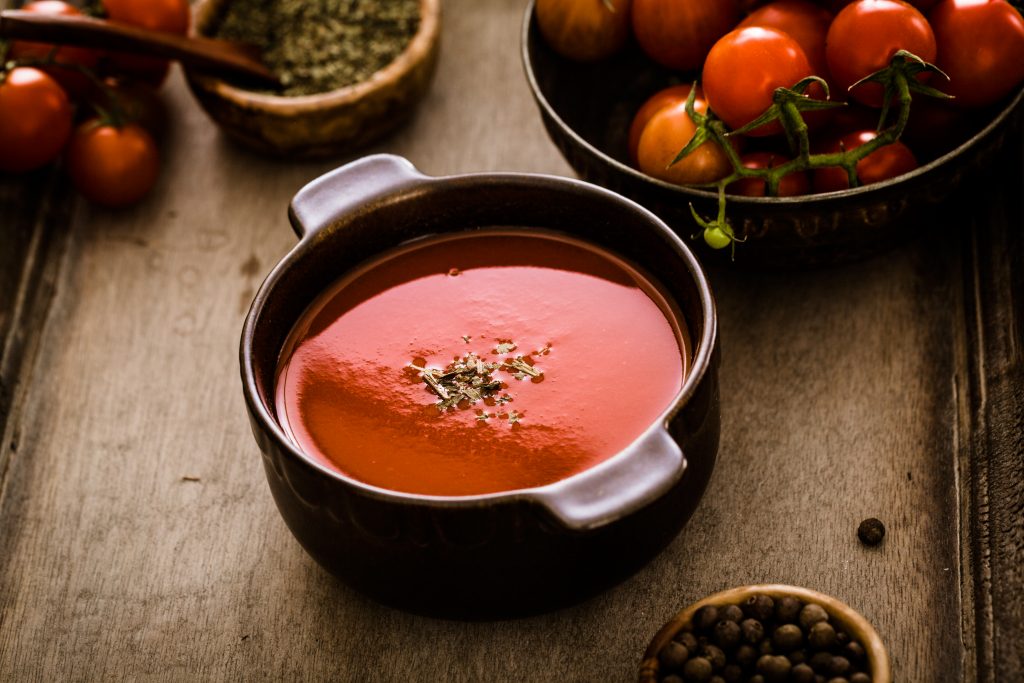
pixel 480 362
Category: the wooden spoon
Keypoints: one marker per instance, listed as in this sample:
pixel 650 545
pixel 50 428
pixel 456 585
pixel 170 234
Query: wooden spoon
pixel 217 56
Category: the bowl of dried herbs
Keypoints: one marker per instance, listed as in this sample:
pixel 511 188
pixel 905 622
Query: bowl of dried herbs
pixel 351 71
pixel 767 634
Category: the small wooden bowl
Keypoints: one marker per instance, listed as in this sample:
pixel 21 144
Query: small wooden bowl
pixel 855 624
pixel 326 124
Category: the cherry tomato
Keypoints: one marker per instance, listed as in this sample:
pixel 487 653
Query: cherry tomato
pixel 981 49
pixel 803 21
pixel 35 119
pixel 658 101
pixel 172 16
pixel 791 185
pixel 884 163
pixel 743 70
pixel 113 166
pixel 866 34
pixel 135 102
pixel 664 136
pixel 679 33
pixel 584 30
pixel 936 127
pixel 76 83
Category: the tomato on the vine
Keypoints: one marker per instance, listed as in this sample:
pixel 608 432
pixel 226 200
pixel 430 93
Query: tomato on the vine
pixel 172 16
pixel 981 49
pixel 35 119
pixel 866 34
pixel 801 20
pixel 655 103
pixel 743 70
pixel 113 165
pixel 791 185
pixel 679 33
pixel 73 81
pixel 584 30
pixel 885 162
pixel 668 132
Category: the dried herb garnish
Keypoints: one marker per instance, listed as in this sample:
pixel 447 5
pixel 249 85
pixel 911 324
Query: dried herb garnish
pixel 522 368
pixel 319 46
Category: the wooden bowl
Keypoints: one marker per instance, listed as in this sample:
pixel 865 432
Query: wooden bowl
pixel 838 611
pixel 326 124
pixel 587 110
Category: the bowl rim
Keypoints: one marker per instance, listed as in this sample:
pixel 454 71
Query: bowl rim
pixel 688 192
pixel 415 53
pixel 856 623
pixel 702 352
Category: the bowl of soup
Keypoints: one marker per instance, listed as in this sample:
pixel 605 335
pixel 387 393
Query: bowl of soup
pixel 481 395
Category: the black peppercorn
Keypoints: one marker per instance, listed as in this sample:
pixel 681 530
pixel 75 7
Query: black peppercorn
pixel 838 679
pixel 713 654
pixel 839 666
pixel 797 656
pixel 672 678
pixel 731 613
pixel 756 678
pixel 854 651
pixel 860 677
pixel 766 647
pixel 819 661
pixel 822 636
pixel 706 617
pixel 727 634
pixel 787 637
pixel 787 610
pixel 774 668
pixel 745 656
pixel 717 679
pixel 759 606
pixel 686 639
pixel 802 673
pixel 752 631
pixel 811 614
pixel 697 669
pixel 842 637
pixel 871 531
pixel 732 673
pixel 673 656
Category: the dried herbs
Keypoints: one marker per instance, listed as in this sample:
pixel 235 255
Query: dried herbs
pixel 315 46
pixel 470 380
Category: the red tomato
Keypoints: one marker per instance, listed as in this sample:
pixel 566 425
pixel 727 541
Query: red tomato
pixel 805 22
pixel 664 136
pixel 172 16
pixel 866 34
pixel 884 163
pixel 679 33
pixel 35 119
pixel 743 70
pixel 113 166
pixel 791 185
pixel 73 81
pixel 936 127
pixel 658 101
pixel 584 30
pixel 135 102
pixel 981 49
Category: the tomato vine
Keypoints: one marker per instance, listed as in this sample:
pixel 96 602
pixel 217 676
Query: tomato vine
pixel 899 80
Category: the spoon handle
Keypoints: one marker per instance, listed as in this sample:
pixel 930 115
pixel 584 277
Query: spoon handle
pixel 218 56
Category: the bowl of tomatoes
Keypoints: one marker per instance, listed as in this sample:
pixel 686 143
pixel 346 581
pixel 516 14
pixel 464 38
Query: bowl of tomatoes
pixel 624 86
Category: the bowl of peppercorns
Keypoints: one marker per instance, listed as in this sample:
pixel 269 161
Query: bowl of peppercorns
pixel 767 634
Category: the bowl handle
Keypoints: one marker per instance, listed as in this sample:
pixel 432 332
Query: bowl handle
pixel 637 476
pixel 325 200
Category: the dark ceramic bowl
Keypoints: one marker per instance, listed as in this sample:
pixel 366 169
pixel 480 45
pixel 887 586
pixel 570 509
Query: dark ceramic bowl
pixel 839 613
pixel 499 554
pixel 587 110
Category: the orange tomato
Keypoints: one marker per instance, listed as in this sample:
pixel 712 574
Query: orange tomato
pixel 658 101
pixel 668 131
pixel 584 30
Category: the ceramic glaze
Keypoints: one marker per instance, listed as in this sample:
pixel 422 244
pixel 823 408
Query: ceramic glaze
pixel 609 344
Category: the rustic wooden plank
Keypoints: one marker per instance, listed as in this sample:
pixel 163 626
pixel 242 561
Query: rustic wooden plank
pixel 838 397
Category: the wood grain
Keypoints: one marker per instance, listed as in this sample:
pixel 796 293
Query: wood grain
pixel 138 540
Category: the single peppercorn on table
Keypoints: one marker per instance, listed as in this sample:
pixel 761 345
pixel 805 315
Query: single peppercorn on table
pixel 138 539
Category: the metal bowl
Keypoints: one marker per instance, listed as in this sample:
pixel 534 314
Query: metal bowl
pixel 587 110
pixel 325 124
pixel 503 553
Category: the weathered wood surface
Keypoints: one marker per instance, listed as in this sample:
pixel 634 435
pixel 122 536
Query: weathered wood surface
pixel 848 393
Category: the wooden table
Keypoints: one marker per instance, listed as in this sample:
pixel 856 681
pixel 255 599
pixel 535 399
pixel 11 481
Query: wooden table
pixel 138 539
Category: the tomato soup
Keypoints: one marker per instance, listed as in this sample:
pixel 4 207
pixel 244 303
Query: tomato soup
pixel 480 362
